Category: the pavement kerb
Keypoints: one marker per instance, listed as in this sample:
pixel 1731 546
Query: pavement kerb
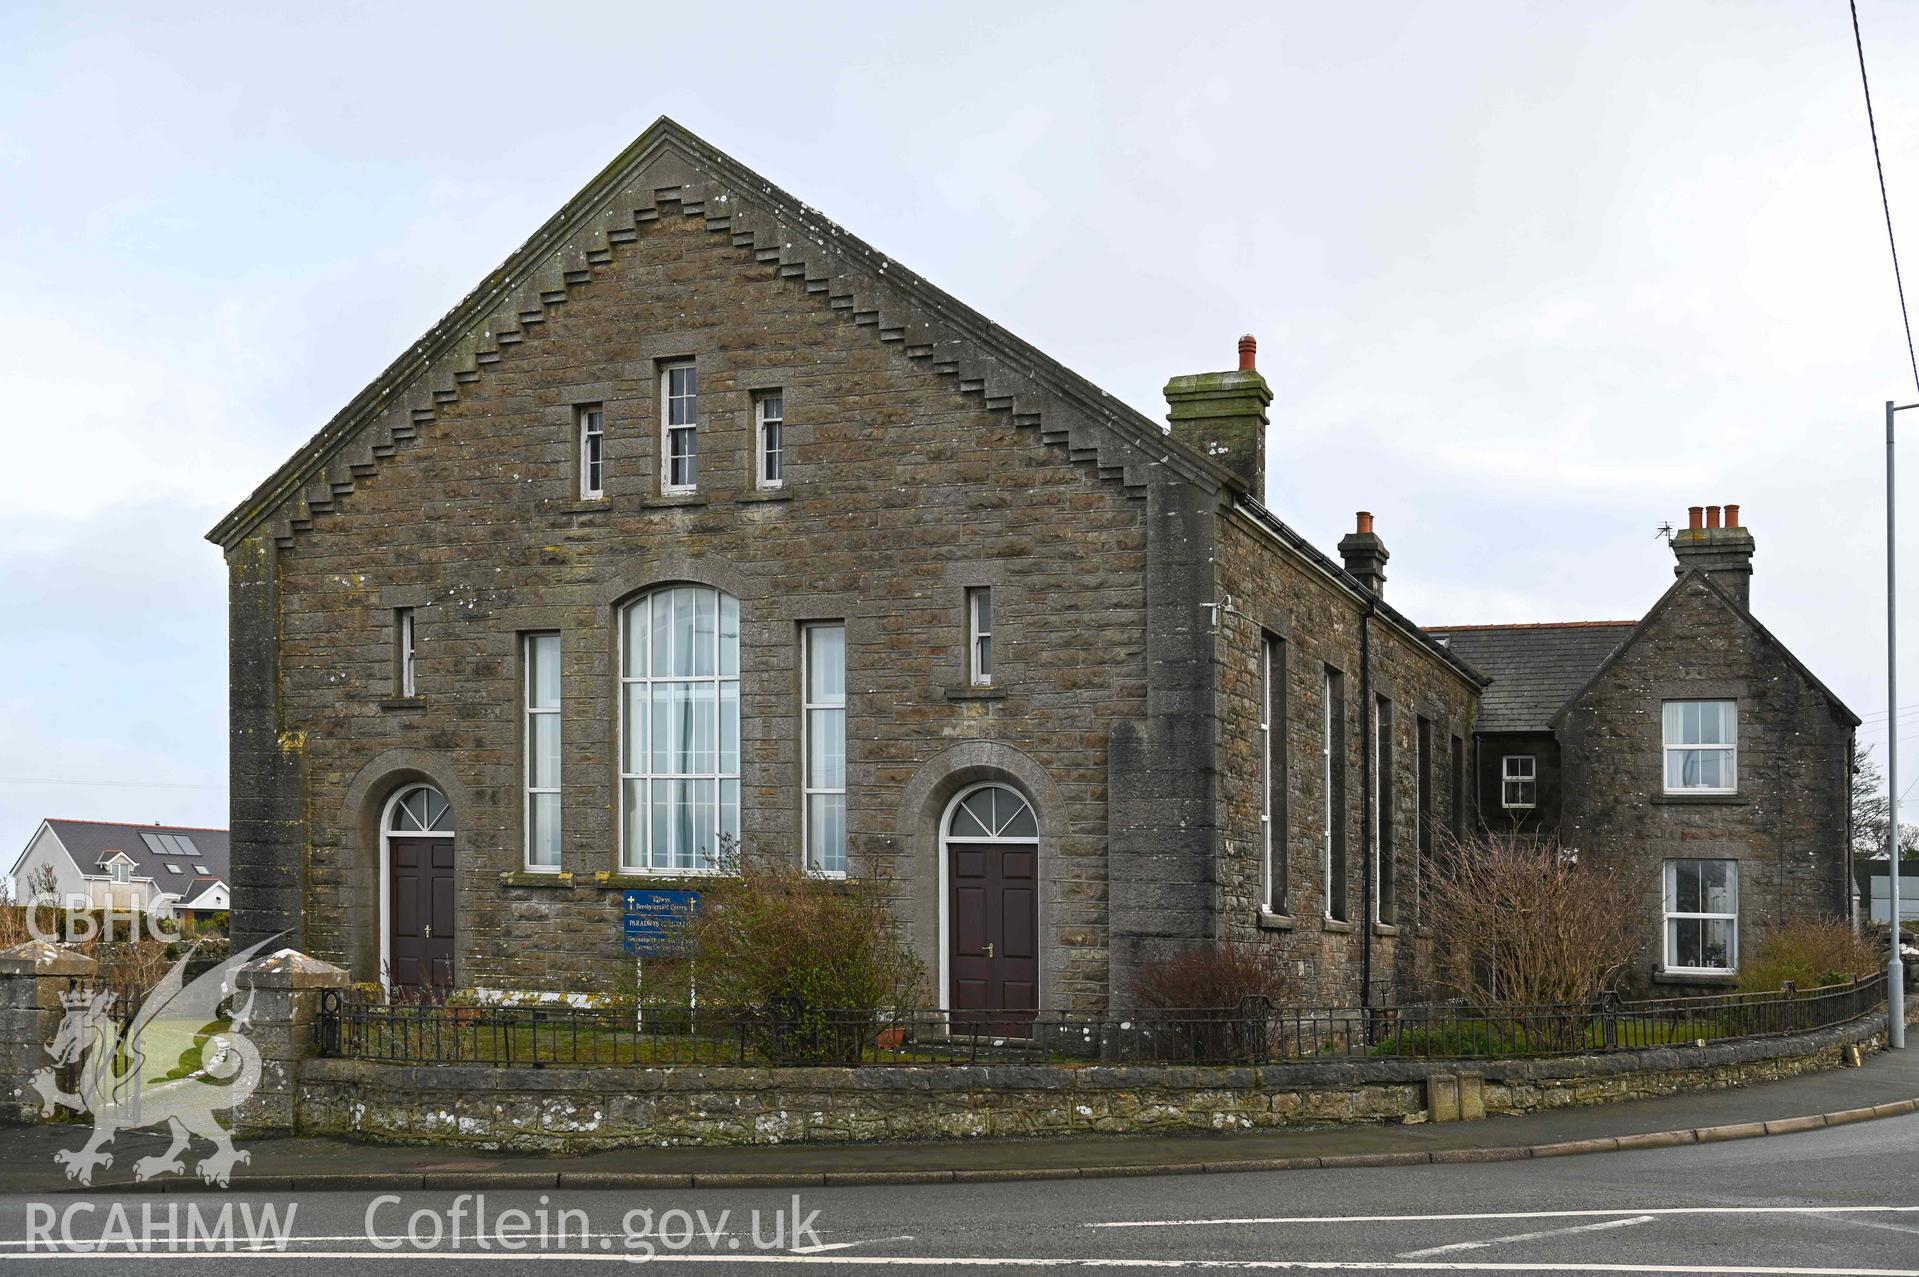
pixel 415 1181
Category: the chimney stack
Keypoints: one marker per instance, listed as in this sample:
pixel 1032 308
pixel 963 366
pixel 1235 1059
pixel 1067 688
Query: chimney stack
pixel 1723 551
pixel 1223 416
pixel 1365 554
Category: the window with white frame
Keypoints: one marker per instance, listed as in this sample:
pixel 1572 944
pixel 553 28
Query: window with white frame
pixel 592 426
pixel 1519 782
pixel 1333 782
pixel 979 635
pixel 403 652
pixel 823 729
pixel 541 663
pixel 679 729
pixel 1272 763
pixel 679 426
pixel 121 871
pixel 769 413
pixel 1702 915
pixel 1702 747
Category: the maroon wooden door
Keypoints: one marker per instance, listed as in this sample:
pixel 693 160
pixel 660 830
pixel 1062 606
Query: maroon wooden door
pixel 994 915
pixel 421 900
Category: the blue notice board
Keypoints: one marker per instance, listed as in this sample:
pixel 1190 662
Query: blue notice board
pixel 653 918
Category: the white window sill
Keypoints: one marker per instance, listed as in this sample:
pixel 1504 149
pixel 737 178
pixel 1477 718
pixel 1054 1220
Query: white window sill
pixel 1703 797
pixel 1694 975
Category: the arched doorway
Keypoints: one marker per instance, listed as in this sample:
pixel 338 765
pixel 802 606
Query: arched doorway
pixel 989 852
pixel 416 887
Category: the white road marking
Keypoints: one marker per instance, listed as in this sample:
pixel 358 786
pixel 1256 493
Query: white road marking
pixel 868 1241
pixel 1525 1237
pixel 1503 1214
pixel 980 1261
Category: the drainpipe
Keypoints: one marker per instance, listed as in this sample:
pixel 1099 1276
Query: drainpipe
pixel 1366 808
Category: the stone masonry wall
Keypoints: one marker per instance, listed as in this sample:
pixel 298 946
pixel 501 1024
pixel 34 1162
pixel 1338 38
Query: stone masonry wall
pixel 1787 825
pixel 901 492
pixel 1318 624
pixel 579 1109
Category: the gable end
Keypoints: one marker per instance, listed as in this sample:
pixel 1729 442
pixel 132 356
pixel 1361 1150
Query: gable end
pixel 667 171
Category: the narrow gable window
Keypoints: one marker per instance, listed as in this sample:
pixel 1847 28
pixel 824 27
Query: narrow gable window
pixel 1519 782
pixel 823 727
pixel 769 414
pixel 679 417
pixel 592 427
pixel 1272 771
pixel 403 652
pixel 1702 747
pixel 979 635
pixel 1702 915
pixel 1333 781
pixel 542 776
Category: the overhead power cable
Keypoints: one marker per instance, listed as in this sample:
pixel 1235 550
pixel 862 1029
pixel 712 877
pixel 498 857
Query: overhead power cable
pixel 1884 202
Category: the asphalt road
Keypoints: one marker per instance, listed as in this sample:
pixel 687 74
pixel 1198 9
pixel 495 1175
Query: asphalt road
pixel 1837 1201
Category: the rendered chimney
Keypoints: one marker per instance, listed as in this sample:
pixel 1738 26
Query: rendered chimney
pixel 1223 416
pixel 1365 554
pixel 1722 552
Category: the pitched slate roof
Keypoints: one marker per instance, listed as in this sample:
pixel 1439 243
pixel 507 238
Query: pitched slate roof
pixel 1535 669
pixel 151 848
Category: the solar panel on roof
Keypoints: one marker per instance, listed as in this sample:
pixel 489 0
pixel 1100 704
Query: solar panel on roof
pixel 153 844
pixel 186 845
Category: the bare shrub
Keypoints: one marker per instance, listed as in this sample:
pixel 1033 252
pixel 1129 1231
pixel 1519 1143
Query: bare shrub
pixel 1810 952
pixel 1519 922
pixel 820 960
pixel 1216 976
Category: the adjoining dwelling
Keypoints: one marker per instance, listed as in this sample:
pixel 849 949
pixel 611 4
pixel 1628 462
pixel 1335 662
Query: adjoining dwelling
pixel 1689 748
pixel 700 518
pixel 169 870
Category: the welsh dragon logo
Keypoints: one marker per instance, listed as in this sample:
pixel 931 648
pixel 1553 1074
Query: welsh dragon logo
pixel 111 1067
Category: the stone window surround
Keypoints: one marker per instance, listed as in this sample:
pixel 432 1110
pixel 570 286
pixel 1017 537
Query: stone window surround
pixel 1735 690
pixel 1709 850
pixel 770 621
pixel 417 600
pixel 959 580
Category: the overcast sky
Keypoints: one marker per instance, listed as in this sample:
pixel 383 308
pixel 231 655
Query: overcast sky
pixel 1528 279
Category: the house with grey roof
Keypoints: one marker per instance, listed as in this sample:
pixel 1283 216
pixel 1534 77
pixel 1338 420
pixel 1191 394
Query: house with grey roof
pixel 170 870
pixel 1690 749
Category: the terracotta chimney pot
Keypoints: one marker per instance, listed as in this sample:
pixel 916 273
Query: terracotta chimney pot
pixel 1732 516
pixel 1712 517
pixel 1365 521
pixel 1695 517
pixel 1248 348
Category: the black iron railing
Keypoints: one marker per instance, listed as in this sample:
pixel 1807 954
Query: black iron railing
pixel 418 1031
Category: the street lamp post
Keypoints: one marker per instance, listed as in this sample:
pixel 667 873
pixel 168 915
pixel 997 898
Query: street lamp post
pixel 1895 965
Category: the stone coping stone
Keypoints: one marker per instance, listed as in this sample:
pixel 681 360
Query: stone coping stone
pixel 960 1078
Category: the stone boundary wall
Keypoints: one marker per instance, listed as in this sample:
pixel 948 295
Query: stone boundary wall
pixel 575 1110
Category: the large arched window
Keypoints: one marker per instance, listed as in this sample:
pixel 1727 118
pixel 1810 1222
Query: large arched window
pixel 680 729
